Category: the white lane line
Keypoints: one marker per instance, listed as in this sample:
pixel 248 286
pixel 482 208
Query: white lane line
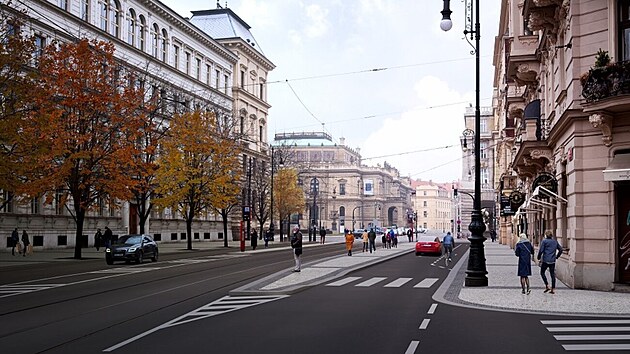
pixel 424 324
pixel 214 308
pixel 594 337
pixel 587 329
pixel 411 349
pixel 371 281
pixel 565 322
pixel 426 283
pixel 432 309
pixel 398 283
pixel 593 347
pixel 343 281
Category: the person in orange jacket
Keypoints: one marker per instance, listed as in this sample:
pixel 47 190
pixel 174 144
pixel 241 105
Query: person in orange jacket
pixel 349 242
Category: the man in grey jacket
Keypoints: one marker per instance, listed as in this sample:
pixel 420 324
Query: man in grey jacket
pixel 549 250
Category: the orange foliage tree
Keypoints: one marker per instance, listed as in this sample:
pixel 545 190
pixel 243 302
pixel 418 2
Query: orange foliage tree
pixel 17 85
pixel 85 131
pixel 288 196
pixel 198 167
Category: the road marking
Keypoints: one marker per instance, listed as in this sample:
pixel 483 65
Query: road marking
pixel 411 349
pixel 587 329
pixel 564 322
pixel 17 289
pixel 426 283
pixel 343 281
pixel 594 337
pixel 371 282
pixel 217 307
pixel 424 324
pixel 432 309
pixel 398 283
pixel 599 347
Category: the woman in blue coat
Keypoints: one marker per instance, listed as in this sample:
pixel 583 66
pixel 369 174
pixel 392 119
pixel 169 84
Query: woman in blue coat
pixel 524 251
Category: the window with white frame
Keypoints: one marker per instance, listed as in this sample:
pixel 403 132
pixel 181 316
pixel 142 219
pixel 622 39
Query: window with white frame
pixel 483 125
pixel 103 7
pixel 164 42
pixel 84 9
pixel 483 146
pixel 40 44
pixel 131 27
pixel 225 83
pixel 176 56
pixel 115 18
pixel 198 68
pixel 623 29
pixel 35 206
pixel 155 40
pixel 217 74
pixel 208 74
pixel 62 4
pixel 188 63
pixel 142 32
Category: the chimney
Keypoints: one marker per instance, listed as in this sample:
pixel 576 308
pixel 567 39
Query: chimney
pixel 342 141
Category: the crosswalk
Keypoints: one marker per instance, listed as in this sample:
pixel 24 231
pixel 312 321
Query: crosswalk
pixel 591 335
pixel 381 281
pixel 17 289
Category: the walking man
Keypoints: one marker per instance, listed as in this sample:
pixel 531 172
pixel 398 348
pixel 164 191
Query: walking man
pixel 372 239
pixel 108 237
pixel 26 242
pixel 322 235
pixel 296 244
pixel 254 239
pixel 98 239
pixel 549 251
pixel 15 238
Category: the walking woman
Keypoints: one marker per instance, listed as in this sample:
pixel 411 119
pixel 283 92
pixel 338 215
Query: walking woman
pixel 349 242
pixel 524 251
pixel 26 242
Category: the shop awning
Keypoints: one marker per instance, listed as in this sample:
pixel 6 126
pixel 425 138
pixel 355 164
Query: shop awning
pixel 618 169
pixel 540 190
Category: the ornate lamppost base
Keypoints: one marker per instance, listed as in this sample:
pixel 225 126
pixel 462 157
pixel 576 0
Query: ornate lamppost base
pixel 476 271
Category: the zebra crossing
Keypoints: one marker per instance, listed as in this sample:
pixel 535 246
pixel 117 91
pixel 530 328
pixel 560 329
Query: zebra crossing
pixel 17 289
pixel 217 307
pixel 381 281
pixel 591 335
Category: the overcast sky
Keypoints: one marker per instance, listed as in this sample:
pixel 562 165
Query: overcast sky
pixel 325 52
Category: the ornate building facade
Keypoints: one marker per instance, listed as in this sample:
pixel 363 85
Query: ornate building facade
pixel 563 153
pixel 185 66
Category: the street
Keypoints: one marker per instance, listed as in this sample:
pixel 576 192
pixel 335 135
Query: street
pixel 182 304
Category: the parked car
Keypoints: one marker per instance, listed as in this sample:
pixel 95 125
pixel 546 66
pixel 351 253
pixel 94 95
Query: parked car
pixel 428 244
pixel 358 233
pixel 132 248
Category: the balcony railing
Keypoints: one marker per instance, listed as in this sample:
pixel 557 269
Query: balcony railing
pixel 608 81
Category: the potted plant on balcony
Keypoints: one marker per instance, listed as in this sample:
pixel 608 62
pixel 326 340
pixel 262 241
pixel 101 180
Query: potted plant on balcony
pixel 604 79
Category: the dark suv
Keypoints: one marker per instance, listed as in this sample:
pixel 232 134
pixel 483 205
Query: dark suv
pixel 132 248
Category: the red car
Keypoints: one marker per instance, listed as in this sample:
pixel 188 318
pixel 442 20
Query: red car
pixel 428 244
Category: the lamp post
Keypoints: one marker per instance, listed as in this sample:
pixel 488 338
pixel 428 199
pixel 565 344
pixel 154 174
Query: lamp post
pixel 476 271
pixel 271 227
pixel 314 210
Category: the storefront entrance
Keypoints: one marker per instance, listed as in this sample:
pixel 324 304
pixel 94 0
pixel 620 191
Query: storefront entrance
pixel 622 191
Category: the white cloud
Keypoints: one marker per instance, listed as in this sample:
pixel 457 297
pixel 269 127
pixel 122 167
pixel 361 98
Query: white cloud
pixel 318 21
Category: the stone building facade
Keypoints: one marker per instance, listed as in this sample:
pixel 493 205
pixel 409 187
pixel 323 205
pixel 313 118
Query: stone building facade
pixel 563 150
pixel 434 205
pixel 187 66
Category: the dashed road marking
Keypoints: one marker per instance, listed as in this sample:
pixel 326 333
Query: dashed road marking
pixel 424 324
pixel 432 309
pixel 398 283
pixel 412 347
pixel 371 281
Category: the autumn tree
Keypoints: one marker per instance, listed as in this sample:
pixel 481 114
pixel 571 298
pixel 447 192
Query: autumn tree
pixel 261 195
pixel 84 133
pixel 288 196
pixel 198 167
pixel 17 84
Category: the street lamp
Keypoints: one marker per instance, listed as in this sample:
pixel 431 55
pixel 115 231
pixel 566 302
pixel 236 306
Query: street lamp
pixel 314 210
pixel 476 271
pixel 466 134
pixel 273 166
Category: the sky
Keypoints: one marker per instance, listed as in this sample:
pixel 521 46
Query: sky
pixel 379 73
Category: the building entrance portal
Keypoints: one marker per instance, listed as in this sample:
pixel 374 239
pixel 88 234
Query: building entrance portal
pixel 622 191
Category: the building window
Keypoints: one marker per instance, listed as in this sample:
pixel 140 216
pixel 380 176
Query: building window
pixel 176 56
pixel 526 30
pixel 8 198
pixel 216 79
pixel 188 63
pixel 342 211
pixel 198 68
pixel 59 202
pixel 425 214
pixel 424 203
pixel 115 19
pixel 142 32
pixel 483 146
pixel 342 189
pixel 260 133
pixel 624 29
pixel 208 74
pixel 103 10
pixel 225 83
pixel 155 40
pixel 84 9
pixel 483 125
pixel 131 27
pixel 164 40
pixel 262 85
pixel 242 79
pixel 242 124
pixel 63 4
pixel 40 44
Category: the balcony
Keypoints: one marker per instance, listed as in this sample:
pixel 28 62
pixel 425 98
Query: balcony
pixel 545 15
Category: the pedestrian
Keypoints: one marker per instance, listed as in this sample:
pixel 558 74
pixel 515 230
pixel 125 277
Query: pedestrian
pixel 98 237
pixel 268 237
pixel 108 237
pixel 549 251
pixel 384 240
pixel 372 239
pixel 525 253
pixel 493 235
pixel 394 239
pixel 15 240
pixel 349 242
pixel 254 239
pixel 322 235
pixel 296 244
pixel 25 241
pixel 389 239
pixel 410 235
pixel 365 240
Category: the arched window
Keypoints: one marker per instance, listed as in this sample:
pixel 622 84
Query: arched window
pixel 155 40
pixel 115 19
pixel 342 211
pixel 103 9
pixel 142 32
pixel 131 27
pixel 164 45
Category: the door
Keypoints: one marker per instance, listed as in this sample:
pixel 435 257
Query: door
pixel 622 191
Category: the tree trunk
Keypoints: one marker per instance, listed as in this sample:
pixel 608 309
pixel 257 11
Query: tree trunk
pixel 80 215
pixel 189 221
pixel 224 218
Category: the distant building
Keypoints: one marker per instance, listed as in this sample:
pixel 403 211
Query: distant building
pixel 434 204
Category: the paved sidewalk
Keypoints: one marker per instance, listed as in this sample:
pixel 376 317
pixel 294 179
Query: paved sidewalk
pixel 503 292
